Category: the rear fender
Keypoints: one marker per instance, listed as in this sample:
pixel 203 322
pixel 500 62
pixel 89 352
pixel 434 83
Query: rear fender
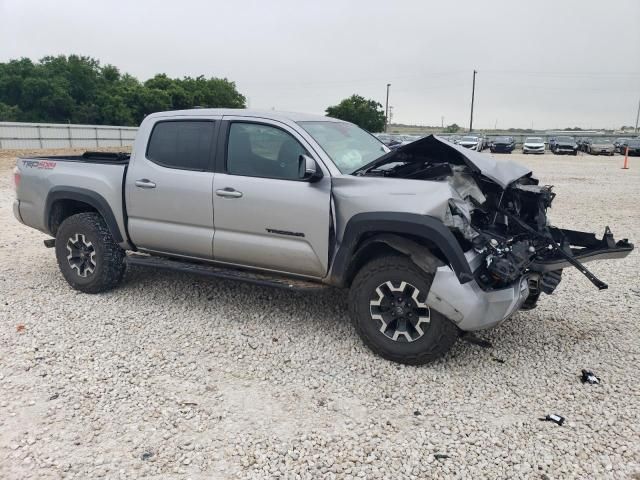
pixel 88 197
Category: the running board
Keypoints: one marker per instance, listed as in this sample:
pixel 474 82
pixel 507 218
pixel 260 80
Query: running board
pixel 256 278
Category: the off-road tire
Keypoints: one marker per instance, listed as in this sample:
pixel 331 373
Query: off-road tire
pixel 440 334
pixel 109 257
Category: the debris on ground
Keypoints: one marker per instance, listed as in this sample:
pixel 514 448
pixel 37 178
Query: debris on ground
pixel 558 419
pixel 146 455
pixel 499 360
pixel 589 377
pixel 439 456
pixel 20 328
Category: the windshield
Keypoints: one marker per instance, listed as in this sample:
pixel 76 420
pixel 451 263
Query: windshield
pixel 634 143
pixel 469 139
pixel 503 140
pixel 565 139
pixel 349 146
pixel 534 140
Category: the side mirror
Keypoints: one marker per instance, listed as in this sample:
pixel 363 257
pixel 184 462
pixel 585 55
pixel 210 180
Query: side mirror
pixel 309 171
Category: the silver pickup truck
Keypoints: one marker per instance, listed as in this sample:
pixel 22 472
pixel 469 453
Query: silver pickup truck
pixel 432 239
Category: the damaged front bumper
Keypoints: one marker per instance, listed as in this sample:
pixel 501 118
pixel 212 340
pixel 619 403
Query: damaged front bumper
pixel 583 247
pixel 471 307
pixel 468 305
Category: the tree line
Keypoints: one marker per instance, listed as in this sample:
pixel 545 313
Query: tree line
pixel 78 89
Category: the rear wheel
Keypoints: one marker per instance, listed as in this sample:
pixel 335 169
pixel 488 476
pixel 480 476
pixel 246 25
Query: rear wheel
pixel 89 258
pixel 387 305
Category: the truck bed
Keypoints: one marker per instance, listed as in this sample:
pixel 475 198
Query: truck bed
pixel 95 177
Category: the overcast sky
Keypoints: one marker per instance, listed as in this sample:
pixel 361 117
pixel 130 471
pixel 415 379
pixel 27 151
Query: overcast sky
pixel 547 63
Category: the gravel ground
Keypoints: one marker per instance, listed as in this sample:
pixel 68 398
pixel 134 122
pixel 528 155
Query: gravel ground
pixel 172 376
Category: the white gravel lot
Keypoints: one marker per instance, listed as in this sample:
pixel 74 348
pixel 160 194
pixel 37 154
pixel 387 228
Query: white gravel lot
pixel 172 376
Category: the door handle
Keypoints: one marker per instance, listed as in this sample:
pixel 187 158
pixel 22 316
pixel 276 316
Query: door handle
pixel 228 193
pixel 145 183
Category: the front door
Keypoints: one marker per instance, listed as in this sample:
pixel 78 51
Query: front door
pixel 264 215
pixel 169 189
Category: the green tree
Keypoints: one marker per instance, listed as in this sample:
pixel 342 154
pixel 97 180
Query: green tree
pixel 367 114
pixel 453 128
pixel 9 113
pixel 78 89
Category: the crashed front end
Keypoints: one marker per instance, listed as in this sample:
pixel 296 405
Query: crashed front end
pixel 498 213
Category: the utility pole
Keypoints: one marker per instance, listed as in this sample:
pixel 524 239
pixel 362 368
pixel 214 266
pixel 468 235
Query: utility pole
pixel 473 94
pixel 386 109
pixel 442 122
pixel 637 116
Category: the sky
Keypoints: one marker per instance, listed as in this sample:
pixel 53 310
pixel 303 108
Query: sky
pixel 546 64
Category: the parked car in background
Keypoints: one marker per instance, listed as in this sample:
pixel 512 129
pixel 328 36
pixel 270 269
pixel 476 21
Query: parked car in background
pixel 565 146
pixel 618 144
pixel 502 145
pixel 601 146
pixel 472 142
pixel 552 143
pixel 634 146
pixel 533 145
pixel 389 140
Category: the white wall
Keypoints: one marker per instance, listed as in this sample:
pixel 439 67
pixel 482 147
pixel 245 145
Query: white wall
pixel 18 135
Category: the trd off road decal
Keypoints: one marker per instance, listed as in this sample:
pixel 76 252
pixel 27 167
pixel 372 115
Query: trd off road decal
pixel 40 164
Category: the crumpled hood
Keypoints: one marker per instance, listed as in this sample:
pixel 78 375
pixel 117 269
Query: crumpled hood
pixel 503 172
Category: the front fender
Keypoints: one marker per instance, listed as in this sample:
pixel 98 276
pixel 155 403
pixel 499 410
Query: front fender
pixel 423 227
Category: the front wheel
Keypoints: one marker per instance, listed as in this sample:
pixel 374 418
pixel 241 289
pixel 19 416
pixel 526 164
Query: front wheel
pixel 387 305
pixel 89 258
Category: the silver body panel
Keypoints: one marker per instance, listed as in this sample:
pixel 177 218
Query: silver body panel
pixel 353 195
pixel 274 224
pixel 470 307
pixel 176 216
pixel 105 180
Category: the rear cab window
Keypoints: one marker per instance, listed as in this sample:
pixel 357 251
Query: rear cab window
pixel 182 144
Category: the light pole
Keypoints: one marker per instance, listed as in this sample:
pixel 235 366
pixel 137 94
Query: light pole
pixel 386 109
pixel 473 94
pixel 637 117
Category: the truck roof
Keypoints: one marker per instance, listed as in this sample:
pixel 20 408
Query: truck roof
pixel 269 114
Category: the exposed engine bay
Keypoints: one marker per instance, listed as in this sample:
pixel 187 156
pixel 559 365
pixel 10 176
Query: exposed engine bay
pixel 499 210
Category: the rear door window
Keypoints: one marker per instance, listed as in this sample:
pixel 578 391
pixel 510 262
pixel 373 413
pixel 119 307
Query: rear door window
pixel 184 145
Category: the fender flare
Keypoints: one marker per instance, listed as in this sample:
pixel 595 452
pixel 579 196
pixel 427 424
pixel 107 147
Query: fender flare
pixel 390 228
pixel 89 197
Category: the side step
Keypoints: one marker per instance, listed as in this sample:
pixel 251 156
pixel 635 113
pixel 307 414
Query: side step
pixel 263 279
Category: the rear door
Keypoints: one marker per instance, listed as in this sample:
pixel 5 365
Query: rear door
pixel 169 188
pixel 264 216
